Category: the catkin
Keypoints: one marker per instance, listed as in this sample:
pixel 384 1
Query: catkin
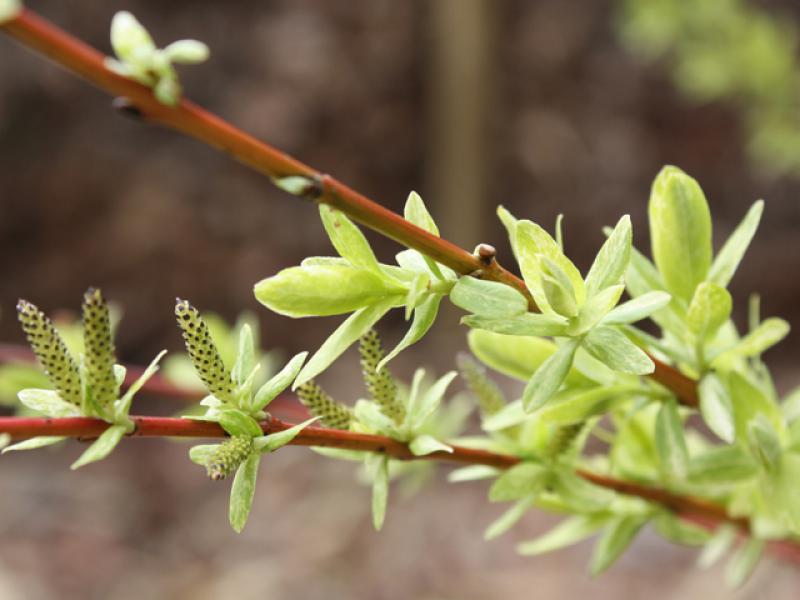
pixel 203 352
pixel 99 348
pixel 228 456
pixel 320 404
pixel 381 385
pixel 489 396
pixel 563 439
pixel 61 368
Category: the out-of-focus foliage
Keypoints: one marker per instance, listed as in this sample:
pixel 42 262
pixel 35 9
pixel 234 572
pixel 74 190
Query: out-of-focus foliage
pixel 728 50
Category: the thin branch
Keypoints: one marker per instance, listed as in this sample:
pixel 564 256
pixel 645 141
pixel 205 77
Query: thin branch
pixel 73 54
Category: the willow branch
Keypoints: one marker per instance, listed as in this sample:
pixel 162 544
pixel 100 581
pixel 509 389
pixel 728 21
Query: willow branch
pixel 83 60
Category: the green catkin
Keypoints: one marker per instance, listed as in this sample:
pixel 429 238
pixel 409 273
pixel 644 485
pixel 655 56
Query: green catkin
pixel 46 343
pixel 203 352
pixel 381 385
pixel 563 439
pixel 489 395
pixel 320 404
pixel 228 456
pixel 99 348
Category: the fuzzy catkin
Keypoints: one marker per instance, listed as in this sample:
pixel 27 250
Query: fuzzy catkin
pixel 46 343
pixel 99 348
pixel 381 385
pixel 490 397
pixel 203 352
pixel 320 404
pixel 228 456
pixel 563 439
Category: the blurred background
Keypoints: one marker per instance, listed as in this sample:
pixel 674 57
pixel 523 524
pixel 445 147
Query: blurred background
pixel 545 106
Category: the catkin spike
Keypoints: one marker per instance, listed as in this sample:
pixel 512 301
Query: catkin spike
pixel 563 439
pixel 46 343
pixel 203 352
pixel 489 395
pixel 99 348
pixel 228 456
pixel 320 404
pixel 381 385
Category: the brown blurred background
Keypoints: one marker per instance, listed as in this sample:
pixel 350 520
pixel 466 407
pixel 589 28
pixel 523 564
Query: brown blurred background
pixel 532 104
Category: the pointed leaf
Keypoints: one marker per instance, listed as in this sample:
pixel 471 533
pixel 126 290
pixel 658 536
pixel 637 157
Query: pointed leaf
pixel 235 422
pixel 424 317
pixel 242 492
pixel 508 519
pixel 380 490
pixel 423 445
pixel 348 239
pixel 48 402
pixel 278 382
pixel 35 442
pixel 611 347
pixel 729 257
pixel 612 260
pixel 520 481
pixel 488 298
pixel 472 473
pixel 670 442
pixel 123 406
pixel 596 308
pixel 570 531
pixel 710 307
pixel 616 537
pixel 549 377
pixel 717 546
pixel 419 411
pixel 637 309
pixel 245 356
pixel 273 441
pixel 744 562
pixel 101 447
pixel 528 324
pixel 717 408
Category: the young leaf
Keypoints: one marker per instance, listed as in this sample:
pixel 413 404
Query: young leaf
pixel 722 464
pixel 729 257
pixel 717 546
pixel 596 309
pixel 612 348
pixel 426 444
pixel 709 309
pixel 569 531
pixel 325 289
pixel 637 309
pixel 242 492
pixel 612 260
pixel 576 406
pixel 373 418
pixel 200 454
pixel 508 519
pixel 742 564
pixel 424 317
pixel 422 407
pixel 342 338
pixel 580 494
pixel 245 357
pixel 680 229
pixel 416 212
pixel 417 292
pixel 102 446
pixel 35 442
pixel 510 223
pixel 528 324
pixel 48 402
pixel 560 298
pixel 678 531
pixel 273 441
pixel 348 240
pixel 716 407
pixel 510 415
pixel 488 298
pixel 670 442
pixel 472 473
pixel 764 442
pixel 549 376
pixel 380 490
pixel 767 334
pixel 617 536
pixel 520 481
pixel 235 422
pixel 278 382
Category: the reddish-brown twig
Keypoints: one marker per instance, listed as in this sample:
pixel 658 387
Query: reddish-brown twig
pixel 187 117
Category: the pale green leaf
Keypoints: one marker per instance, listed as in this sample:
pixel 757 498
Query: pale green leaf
pixel 187 52
pixel 423 445
pixel 581 495
pixel 670 442
pixel 528 324
pixel 637 309
pixel 616 537
pixel 421 407
pixel 716 408
pixel 717 546
pixel 570 531
pixel 520 481
pixel 576 406
pixel 710 307
pixel 723 465
pixel 48 402
pixel 749 401
pixel 129 38
pixel 273 441
pixel 242 492
pixel 596 309
pixel 278 382
pixel 730 255
pixel 201 453
pixel 35 442
pixel 123 406
pixel 235 422
pixel 245 356
pixel 370 415
pixel 510 415
pixel 508 519
pixel 348 240
pixel 488 298
pixel 549 376
pixel 612 348
pixel 510 223
pixel 424 317
pixel 680 231
pixel 673 528
pixel 102 446
pixel 416 212
pixel 744 562
pixel 472 473
pixel 612 260
pixel 764 442
pixel 767 334
pixel 341 339
pixel 380 490
pixel 417 291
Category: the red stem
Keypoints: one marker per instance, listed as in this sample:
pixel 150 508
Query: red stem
pixel 187 117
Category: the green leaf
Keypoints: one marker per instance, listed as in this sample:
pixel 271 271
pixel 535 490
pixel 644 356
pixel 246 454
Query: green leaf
pixel 580 494
pixel 35 442
pixel 680 230
pixel 716 407
pixel 380 490
pixel 612 260
pixel 729 257
pixel 325 289
pixel 201 453
pixel 717 546
pixel 187 52
pixel 508 519
pixel 510 415
pixel 767 334
pixel 102 446
pixel 678 531
pixel 616 537
pixel 764 442
pixel 528 324
pixel 296 185
pixel 128 38
pixel 123 406
pixel 709 309
pixel 245 357
pixel 510 223
pixel 416 212
pixel 612 348
pixel 348 240
pixel 637 309
pixel 341 339
pixel 596 309
pixel 242 492
pixel 279 382
pixel 723 465
pixel 570 531
pixel 424 317
pixel 472 473
pixel 421 407
pixel 48 402
pixel 749 401
pixel 549 376
pixel 670 442
pixel 235 422
pixel 423 445
pixel 273 441
pixel 742 564
pixel 520 481
pixel 488 298
pixel 576 406
pixel 417 291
